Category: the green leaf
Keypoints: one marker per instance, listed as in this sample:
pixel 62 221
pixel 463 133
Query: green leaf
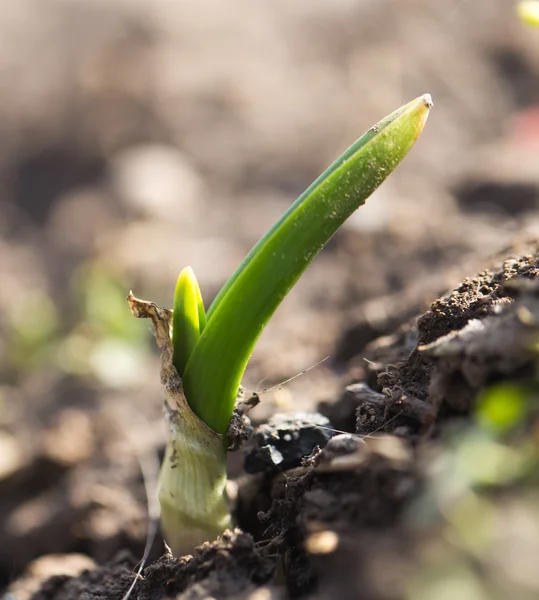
pixel 501 406
pixel 189 318
pixel 240 312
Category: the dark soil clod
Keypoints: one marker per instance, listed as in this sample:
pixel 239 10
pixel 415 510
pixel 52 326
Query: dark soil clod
pixel 227 567
pixel 484 318
pixel 285 440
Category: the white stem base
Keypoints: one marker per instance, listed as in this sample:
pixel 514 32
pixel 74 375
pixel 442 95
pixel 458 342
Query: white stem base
pixel 192 483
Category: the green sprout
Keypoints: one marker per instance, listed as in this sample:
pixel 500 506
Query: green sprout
pixel 189 318
pixel 205 356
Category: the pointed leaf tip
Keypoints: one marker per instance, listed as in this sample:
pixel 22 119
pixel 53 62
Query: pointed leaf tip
pixel 427 99
pixel 420 109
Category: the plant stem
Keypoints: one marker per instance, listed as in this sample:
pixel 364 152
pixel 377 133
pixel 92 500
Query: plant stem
pixel 192 482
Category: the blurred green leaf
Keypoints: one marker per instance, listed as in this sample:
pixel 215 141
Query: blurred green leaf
pixel 482 461
pixel 33 327
pixel 501 406
pixel 528 12
pixel 449 583
pixel 102 298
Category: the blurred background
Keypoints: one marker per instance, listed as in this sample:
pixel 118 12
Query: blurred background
pixel 141 137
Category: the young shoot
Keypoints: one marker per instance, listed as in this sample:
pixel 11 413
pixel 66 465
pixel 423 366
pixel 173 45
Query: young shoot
pixel 189 318
pixel 204 358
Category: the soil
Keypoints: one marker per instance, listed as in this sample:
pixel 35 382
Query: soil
pixel 232 566
pixel 333 505
pixel 142 138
